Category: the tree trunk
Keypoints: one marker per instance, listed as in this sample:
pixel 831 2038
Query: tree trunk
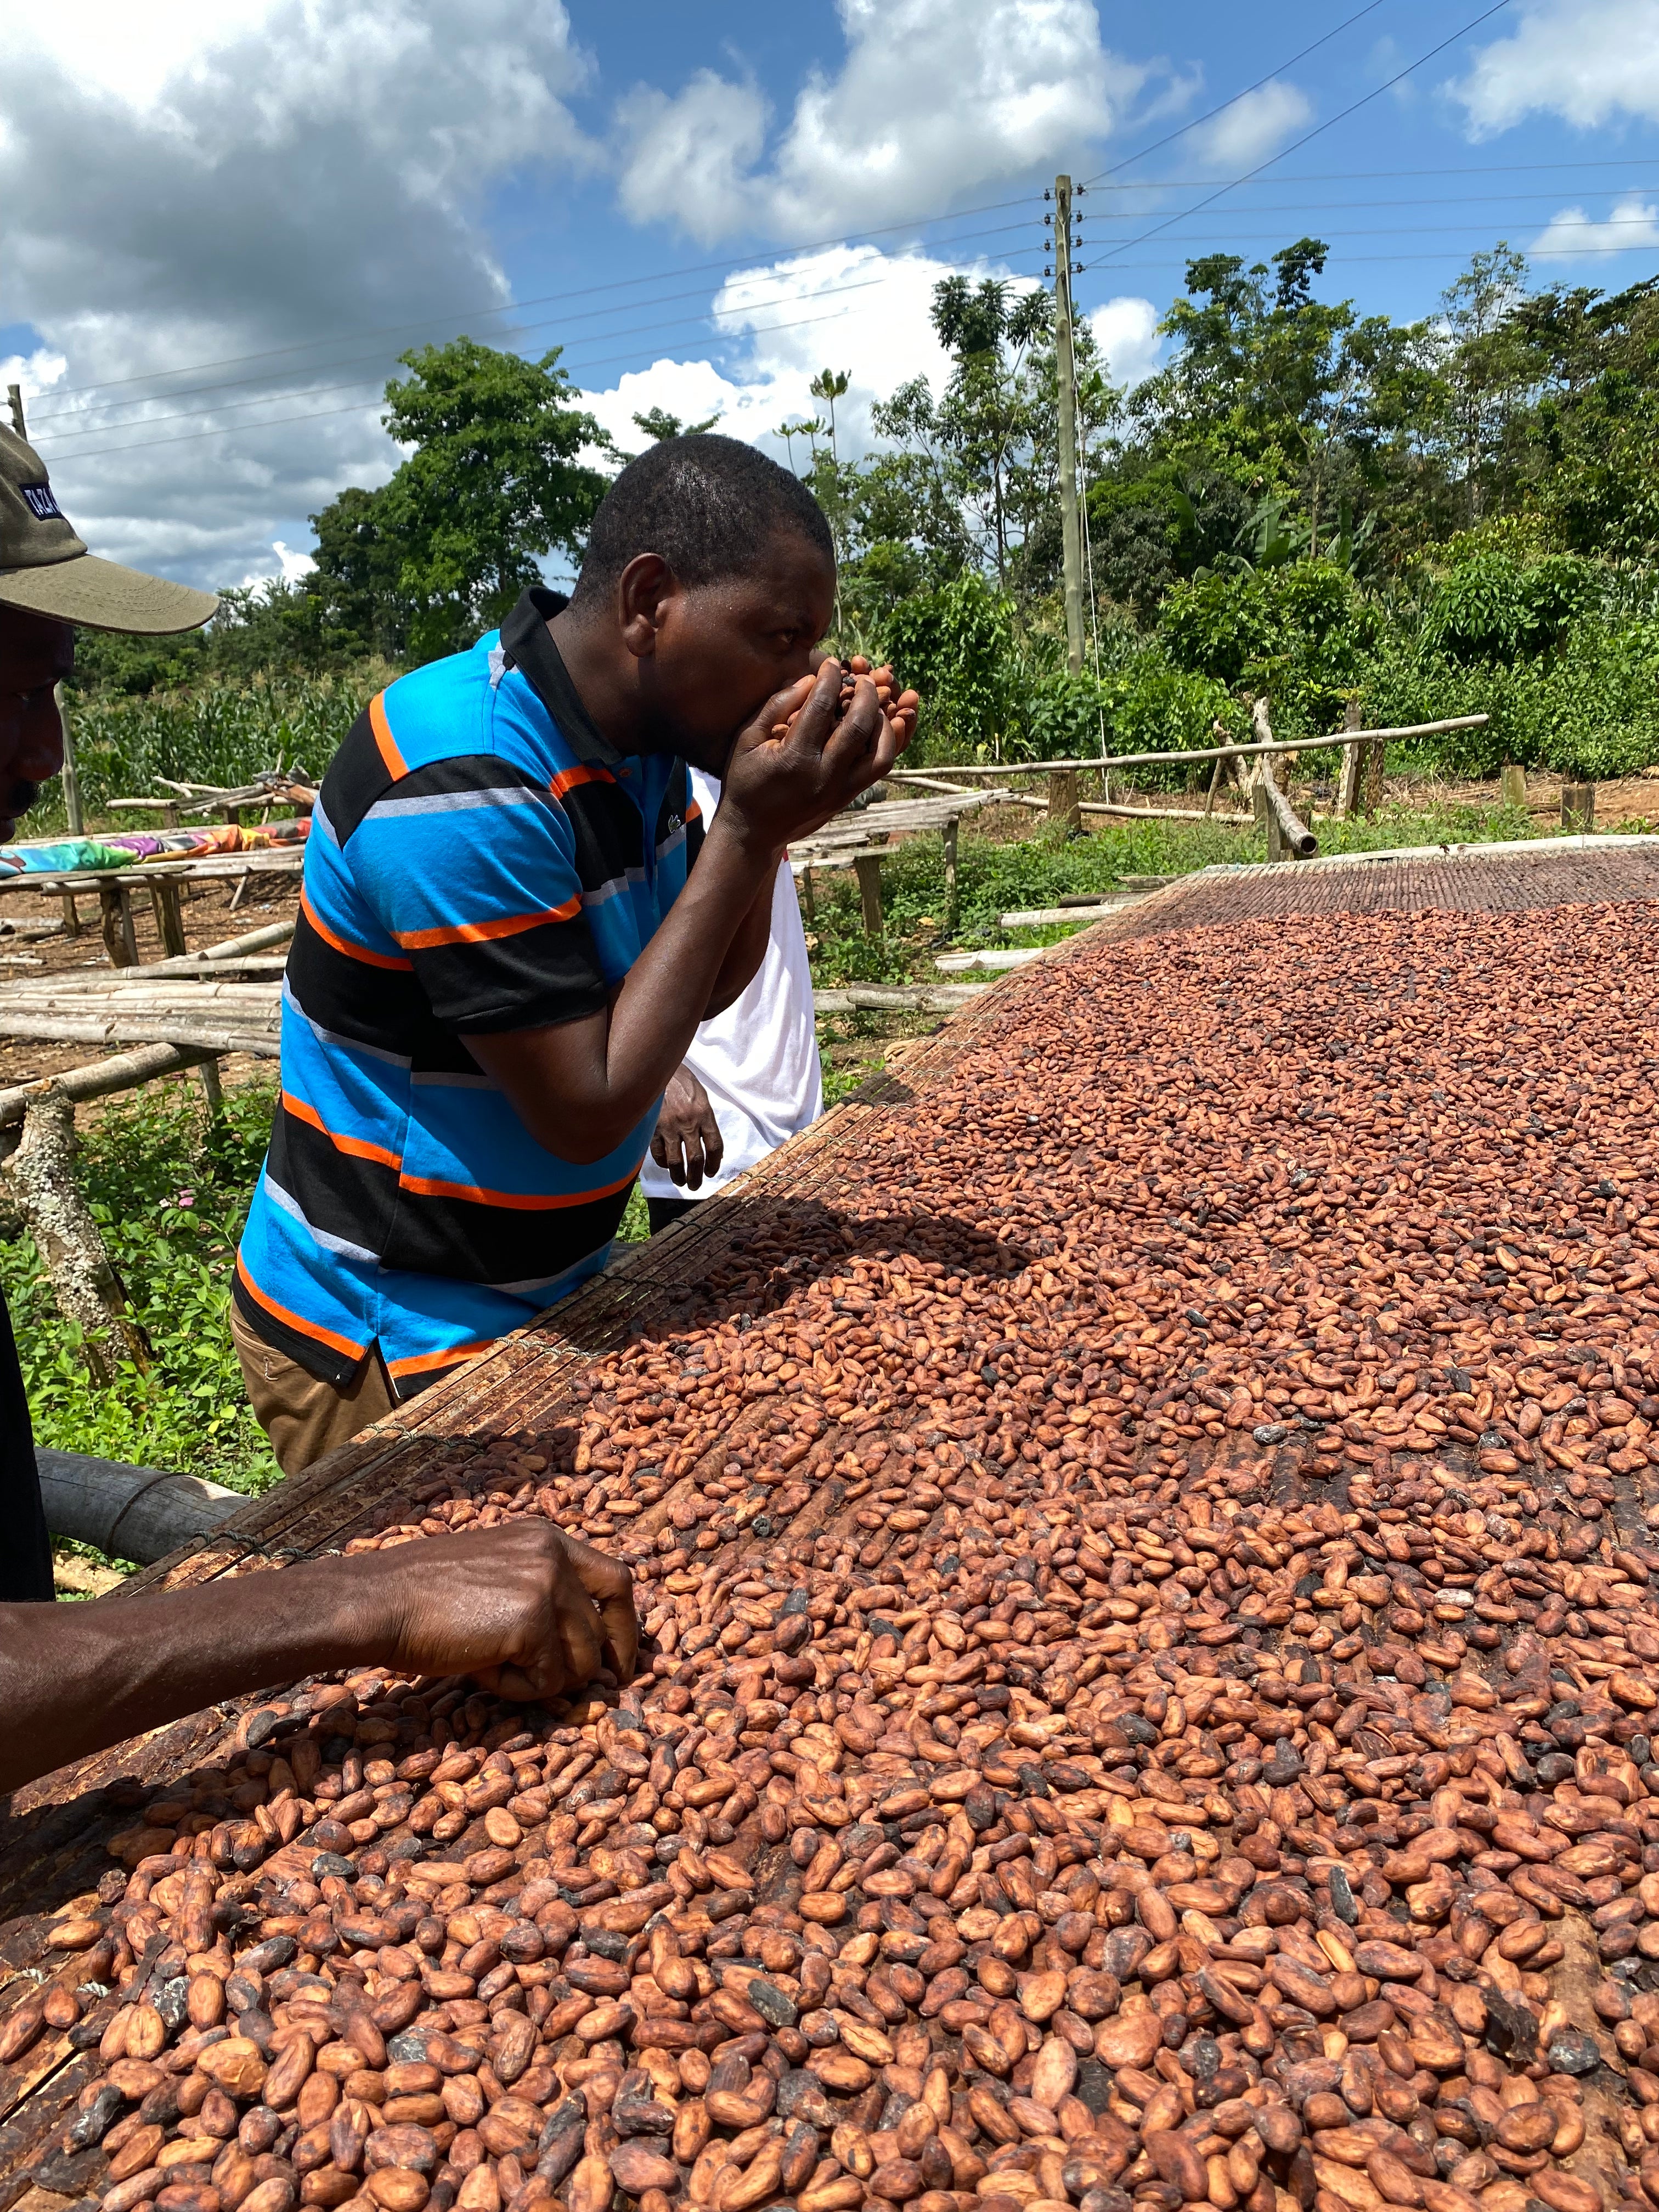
pixel 84 1281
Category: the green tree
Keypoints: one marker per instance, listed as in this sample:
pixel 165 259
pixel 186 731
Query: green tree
pixel 357 579
pixel 1489 370
pixel 492 484
pixel 658 423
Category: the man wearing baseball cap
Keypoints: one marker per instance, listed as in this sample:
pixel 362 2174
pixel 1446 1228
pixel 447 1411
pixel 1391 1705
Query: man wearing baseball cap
pixel 49 585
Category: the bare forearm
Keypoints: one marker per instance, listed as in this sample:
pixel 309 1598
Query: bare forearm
pixel 74 1678
pixel 747 949
pixel 580 1087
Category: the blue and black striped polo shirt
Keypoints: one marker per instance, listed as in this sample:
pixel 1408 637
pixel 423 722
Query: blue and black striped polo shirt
pixel 480 860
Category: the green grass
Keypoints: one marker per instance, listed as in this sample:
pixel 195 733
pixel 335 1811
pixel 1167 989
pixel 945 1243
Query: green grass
pixel 636 1225
pixel 170 1190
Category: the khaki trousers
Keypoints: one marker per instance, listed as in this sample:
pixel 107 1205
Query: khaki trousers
pixel 303 1418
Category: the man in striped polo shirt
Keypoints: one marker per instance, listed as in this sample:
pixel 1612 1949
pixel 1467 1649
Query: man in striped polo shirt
pixel 503 949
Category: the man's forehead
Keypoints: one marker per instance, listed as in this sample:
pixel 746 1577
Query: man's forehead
pixel 797 600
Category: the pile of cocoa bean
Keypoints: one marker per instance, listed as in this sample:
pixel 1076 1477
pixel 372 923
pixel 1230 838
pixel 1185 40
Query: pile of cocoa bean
pixel 1144 1544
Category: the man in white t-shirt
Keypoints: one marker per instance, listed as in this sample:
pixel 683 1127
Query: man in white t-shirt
pixel 751 1078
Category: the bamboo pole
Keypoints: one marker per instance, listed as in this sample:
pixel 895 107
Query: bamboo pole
pixel 1204 752
pixel 102 1077
pixel 262 1044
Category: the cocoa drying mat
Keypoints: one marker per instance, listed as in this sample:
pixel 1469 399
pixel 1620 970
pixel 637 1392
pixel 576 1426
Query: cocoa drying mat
pixel 53 1839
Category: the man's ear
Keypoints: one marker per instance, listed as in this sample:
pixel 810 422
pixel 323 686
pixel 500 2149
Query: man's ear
pixel 643 590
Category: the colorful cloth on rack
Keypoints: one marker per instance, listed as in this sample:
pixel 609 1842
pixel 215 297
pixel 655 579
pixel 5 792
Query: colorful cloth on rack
pixel 121 849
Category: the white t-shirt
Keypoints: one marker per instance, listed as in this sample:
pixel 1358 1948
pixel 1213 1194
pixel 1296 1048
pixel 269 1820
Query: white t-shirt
pixel 758 1060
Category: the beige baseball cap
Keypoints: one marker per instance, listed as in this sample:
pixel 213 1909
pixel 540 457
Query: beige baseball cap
pixel 45 569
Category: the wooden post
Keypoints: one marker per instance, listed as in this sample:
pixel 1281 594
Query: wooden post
pixel 948 838
pixel 1266 818
pixel 1347 798
pixel 868 868
pixel 71 915
pixel 169 919
pixel 71 776
pixel 1512 784
pixel 1577 806
pixel 115 909
pixel 1064 801
pixel 809 896
pixel 1370 776
pixel 1215 785
pixel 213 1090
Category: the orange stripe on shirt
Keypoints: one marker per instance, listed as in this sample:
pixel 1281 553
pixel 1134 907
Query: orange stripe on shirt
pixel 344 945
pixel 428 1360
pixel 357 1148
pixel 396 765
pixel 480 932
pixel 567 779
pixel 311 1328
pixel 515 1201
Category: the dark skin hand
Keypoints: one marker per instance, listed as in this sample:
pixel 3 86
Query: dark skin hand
pixel 708 673
pixel 35 653
pixel 529 1612
pixel 687 1140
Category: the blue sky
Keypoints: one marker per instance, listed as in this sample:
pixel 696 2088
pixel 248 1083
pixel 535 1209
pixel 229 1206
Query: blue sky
pixel 224 217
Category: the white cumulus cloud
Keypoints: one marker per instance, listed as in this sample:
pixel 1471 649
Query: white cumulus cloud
pixel 1254 127
pixel 1589 62
pixel 199 183
pixel 1126 330
pixel 850 307
pixel 935 98
pixel 1571 233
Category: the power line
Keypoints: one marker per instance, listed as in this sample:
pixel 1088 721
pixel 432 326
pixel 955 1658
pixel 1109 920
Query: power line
pixel 319 414
pixel 74 416
pixel 1233 99
pixel 1648 223
pixel 73 425
pixel 1373 176
pixel 385 329
pixel 1319 128
pixel 511 306
pixel 1344 207
pixel 62 447
pixel 62 451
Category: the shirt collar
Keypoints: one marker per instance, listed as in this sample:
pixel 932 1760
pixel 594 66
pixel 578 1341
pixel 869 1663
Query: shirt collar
pixel 528 644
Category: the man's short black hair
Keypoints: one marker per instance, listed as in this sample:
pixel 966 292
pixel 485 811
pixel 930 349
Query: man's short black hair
pixel 709 506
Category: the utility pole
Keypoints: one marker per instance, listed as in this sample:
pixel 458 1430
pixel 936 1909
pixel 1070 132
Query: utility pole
pixel 1070 535
pixel 14 400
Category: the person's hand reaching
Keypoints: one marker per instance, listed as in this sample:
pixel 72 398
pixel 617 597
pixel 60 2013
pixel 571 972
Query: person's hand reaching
pixel 529 1612
pixel 687 1140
